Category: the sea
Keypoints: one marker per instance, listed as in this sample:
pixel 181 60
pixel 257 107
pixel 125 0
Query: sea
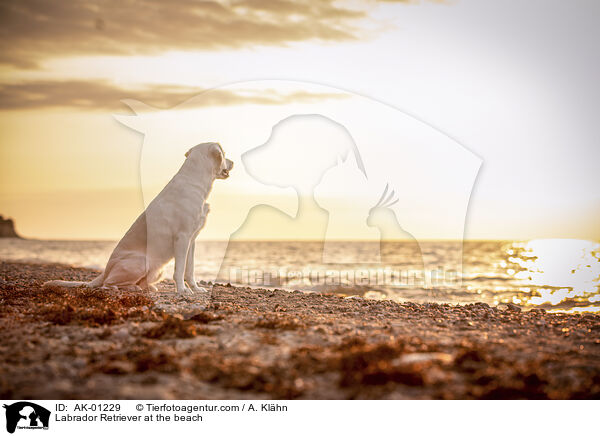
pixel 558 275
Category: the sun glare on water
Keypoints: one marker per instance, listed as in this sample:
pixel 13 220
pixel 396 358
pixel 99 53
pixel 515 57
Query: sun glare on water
pixel 553 272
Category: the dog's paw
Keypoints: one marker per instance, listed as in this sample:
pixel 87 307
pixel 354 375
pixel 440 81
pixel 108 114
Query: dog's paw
pixel 184 291
pixel 199 289
pixel 193 285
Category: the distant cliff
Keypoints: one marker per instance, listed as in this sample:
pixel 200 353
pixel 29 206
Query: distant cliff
pixel 7 228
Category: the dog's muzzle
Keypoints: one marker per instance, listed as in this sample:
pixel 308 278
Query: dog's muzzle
pixel 224 173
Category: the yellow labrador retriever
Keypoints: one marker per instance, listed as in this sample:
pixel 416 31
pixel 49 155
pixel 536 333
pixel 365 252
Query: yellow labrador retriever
pixel 167 229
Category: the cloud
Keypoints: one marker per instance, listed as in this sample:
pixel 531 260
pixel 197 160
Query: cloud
pixel 34 30
pixel 99 95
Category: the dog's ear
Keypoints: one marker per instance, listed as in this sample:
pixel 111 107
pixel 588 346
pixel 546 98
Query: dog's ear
pixel 187 153
pixel 216 153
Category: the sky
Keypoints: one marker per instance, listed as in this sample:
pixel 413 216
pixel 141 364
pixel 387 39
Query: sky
pixel 504 93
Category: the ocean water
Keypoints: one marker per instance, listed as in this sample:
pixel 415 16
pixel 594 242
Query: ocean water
pixel 555 274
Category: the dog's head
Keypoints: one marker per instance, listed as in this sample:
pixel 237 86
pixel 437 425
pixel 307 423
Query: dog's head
pixel 213 153
pixel 300 149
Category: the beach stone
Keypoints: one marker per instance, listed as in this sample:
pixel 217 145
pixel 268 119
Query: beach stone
pixel 538 310
pixel 513 307
pixel 121 334
pixel 424 357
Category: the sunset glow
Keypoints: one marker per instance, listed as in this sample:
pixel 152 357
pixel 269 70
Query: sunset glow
pixel 61 144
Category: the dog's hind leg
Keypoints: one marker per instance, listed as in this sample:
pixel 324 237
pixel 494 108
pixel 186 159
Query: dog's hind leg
pixel 126 273
pixel 149 281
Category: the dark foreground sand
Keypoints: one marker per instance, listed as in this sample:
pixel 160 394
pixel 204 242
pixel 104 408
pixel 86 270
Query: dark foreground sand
pixel 252 343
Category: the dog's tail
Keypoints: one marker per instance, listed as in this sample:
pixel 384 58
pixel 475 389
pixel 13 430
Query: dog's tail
pixel 68 284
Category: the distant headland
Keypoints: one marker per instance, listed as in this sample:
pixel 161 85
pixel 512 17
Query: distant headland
pixel 7 228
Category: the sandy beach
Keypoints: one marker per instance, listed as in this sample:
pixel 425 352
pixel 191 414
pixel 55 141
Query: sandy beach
pixel 255 343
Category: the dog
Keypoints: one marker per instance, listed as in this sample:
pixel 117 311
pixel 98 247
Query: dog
pixel 167 229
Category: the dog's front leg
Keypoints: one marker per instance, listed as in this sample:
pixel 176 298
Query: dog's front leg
pixel 189 268
pixel 182 245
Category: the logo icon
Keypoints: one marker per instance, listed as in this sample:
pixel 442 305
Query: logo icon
pixel 26 415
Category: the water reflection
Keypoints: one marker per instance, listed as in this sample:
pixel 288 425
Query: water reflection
pixel 558 274
pixel 554 274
